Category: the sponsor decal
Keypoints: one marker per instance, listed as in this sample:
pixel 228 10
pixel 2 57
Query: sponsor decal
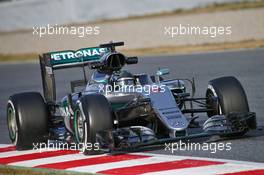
pixel 82 55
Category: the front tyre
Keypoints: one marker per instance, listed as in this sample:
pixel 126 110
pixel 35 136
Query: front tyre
pixel 27 119
pixel 230 94
pixel 93 115
pixel 226 96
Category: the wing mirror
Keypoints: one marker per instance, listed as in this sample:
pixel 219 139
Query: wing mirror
pixel 131 60
pixel 160 73
pixel 164 71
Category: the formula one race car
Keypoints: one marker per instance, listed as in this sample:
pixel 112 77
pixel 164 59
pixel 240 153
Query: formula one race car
pixel 117 110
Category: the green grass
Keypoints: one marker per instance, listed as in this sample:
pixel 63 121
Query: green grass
pixel 15 170
pixel 164 50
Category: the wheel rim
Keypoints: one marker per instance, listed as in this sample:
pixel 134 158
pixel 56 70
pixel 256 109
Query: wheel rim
pixel 79 126
pixel 212 103
pixel 11 122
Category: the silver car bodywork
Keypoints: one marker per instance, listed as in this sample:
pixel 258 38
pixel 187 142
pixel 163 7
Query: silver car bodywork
pixel 163 103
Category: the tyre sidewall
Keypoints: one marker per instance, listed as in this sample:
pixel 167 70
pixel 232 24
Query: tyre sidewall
pixel 31 118
pixel 97 116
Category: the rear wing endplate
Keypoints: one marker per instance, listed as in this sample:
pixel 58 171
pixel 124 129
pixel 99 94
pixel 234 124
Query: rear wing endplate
pixel 64 59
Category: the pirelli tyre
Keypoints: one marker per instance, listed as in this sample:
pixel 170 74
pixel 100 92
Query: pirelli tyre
pixel 27 119
pixel 227 97
pixel 93 115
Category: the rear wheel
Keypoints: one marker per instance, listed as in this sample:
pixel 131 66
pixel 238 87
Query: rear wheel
pixel 226 96
pixel 93 115
pixel 27 119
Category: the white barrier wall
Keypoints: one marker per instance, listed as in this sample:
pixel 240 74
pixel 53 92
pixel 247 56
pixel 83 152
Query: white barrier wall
pixel 25 14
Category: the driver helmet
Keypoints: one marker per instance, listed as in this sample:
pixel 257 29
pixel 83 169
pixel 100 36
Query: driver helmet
pixel 125 78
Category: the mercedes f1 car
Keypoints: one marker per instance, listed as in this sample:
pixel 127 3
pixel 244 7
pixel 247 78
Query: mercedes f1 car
pixel 117 110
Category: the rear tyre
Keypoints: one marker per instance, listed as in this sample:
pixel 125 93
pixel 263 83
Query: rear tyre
pixel 27 119
pixel 226 96
pixel 94 114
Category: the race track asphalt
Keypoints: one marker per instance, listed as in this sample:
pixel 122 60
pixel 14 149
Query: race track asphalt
pixel 246 65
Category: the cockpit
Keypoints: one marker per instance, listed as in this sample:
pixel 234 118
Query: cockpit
pixel 120 78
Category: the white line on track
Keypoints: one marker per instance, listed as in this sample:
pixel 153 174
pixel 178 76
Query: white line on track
pixel 206 170
pixel 121 164
pixel 57 159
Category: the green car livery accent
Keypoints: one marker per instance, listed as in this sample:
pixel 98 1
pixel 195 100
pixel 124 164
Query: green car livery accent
pixel 81 55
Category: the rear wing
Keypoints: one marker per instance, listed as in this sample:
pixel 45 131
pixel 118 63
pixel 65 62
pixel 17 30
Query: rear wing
pixel 64 59
pixel 70 58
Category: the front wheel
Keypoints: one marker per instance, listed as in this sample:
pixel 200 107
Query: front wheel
pixel 226 96
pixel 93 115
